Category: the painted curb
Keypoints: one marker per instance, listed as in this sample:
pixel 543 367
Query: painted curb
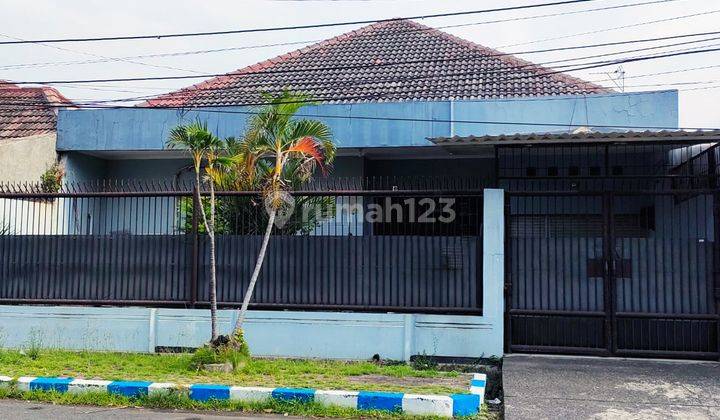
pixel 435 405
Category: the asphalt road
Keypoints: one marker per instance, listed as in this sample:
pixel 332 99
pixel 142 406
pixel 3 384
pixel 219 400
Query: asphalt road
pixel 556 387
pixel 22 410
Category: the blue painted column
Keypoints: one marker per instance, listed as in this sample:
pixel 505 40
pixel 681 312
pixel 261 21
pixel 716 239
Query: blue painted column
pixel 494 264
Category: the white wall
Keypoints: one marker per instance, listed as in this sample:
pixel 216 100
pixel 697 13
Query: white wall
pixel 26 159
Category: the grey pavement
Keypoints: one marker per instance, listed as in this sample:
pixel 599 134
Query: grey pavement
pixel 23 410
pixel 552 387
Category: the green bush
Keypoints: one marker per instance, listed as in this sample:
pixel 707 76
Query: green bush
pixel 223 350
pixel 204 355
pixel 51 180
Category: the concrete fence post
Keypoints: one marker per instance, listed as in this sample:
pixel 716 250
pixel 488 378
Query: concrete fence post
pixel 408 338
pixel 152 330
pixel 493 265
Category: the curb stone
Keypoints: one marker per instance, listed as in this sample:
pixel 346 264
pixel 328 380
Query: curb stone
pixel 437 405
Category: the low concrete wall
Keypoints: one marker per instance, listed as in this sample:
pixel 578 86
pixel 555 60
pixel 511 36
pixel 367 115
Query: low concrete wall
pixel 334 335
pixel 284 334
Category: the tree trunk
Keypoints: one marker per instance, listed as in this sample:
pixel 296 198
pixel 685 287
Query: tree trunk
pixel 213 271
pixel 256 273
pixel 211 233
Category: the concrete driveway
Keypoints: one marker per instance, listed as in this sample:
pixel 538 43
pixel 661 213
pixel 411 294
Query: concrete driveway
pixel 563 387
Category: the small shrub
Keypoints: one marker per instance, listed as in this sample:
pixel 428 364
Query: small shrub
pixel 239 343
pixel 34 345
pixel 224 349
pixel 51 180
pixel 423 362
pixel 235 357
pixel 204 355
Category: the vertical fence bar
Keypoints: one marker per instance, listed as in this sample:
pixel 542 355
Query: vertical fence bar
pixel 508 276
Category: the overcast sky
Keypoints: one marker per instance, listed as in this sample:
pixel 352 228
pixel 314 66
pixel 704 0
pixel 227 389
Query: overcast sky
pixel 36 19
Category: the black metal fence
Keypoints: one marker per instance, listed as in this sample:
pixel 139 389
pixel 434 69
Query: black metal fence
pixel 385 244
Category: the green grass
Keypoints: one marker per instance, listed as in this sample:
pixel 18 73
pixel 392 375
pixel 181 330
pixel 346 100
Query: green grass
pixel 182 402
pixel 319 374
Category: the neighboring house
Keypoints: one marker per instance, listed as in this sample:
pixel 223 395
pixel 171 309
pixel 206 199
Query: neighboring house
pixel 28 127
pixel 28 134
pixel 611 235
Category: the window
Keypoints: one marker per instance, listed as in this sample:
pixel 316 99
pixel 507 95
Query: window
pixel 574 171
pixel 531 171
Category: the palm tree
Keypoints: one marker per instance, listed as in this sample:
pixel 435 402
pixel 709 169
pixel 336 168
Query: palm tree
pixel 279 148
pixel 202 145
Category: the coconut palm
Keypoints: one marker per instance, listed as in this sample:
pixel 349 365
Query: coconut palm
pixel 278 150
pixel 202 146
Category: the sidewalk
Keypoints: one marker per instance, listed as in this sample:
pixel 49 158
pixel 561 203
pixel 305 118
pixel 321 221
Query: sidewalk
pixel 552 387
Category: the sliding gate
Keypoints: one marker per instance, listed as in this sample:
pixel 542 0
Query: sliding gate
pixel 614 273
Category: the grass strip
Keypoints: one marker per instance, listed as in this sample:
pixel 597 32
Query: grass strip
pixel 317 374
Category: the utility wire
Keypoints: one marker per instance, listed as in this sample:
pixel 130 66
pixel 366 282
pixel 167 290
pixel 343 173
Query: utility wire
pixel 439 81
pixel 438 86
pixel 207 51
pixel 390 64
pixel 104 57
pixel 296 27
pixel 429 120
pixel 614 28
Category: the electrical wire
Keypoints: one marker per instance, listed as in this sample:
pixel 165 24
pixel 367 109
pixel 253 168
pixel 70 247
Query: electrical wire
pixel 287 28
pixel 207 51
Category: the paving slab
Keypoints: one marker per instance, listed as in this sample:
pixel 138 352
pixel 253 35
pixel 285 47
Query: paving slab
pixel 551 387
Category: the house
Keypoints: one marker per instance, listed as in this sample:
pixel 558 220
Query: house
pixel 384 89
pixel 583 220
pixel 27 131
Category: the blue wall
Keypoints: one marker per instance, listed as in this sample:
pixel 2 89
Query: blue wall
pixel 147 129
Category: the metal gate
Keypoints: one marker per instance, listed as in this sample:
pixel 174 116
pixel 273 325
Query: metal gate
pixel 627 274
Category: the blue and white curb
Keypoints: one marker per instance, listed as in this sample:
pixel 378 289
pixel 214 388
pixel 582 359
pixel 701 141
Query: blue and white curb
pixel 415 404
pixel 477 385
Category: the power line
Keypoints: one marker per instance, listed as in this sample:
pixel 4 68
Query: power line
pixel 207 51
pixel 419 90
pixel 403 119
pixel 437 87
pixel 286 28
pixel 439 81
pixel 683 70
pixel 614 28
pixel 104 57
pixel 382 65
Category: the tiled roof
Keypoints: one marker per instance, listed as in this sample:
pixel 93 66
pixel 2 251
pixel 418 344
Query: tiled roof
pixel 397 60
pixel 24 111
pixel 581 136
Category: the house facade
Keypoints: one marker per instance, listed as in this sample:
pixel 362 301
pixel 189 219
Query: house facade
pixel 578 210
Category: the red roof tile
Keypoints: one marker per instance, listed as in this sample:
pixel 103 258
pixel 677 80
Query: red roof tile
pixel 397 60
pixel 24 111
